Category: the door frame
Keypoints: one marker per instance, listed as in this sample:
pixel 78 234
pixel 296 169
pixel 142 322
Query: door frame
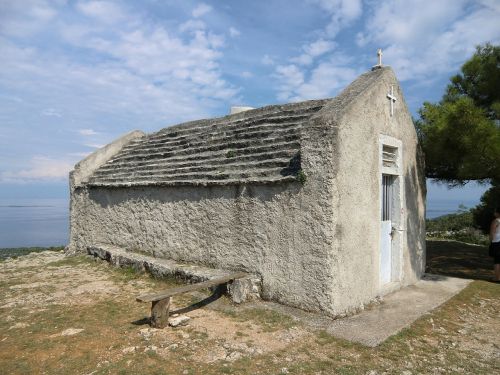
pixel 398 214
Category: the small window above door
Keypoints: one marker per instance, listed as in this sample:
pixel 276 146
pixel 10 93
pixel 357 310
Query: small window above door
pixel 389 156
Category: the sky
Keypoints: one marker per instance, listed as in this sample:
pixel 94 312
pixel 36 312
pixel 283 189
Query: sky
pixel 75 75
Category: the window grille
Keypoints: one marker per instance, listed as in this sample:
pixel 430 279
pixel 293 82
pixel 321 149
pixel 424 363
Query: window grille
pixel 387 196
pixel 389 156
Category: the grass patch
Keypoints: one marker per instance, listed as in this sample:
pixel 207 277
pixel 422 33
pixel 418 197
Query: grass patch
pixel 127 273
pixel 103 323
pixel 430 345
pixel 20 251
pixel 269 320
pixel 324 338
pixel 452 258
pixel 72 261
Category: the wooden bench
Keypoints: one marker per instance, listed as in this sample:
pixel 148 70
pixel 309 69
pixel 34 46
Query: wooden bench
pixel 160 302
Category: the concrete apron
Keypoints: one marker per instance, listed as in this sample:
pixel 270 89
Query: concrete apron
pixel 398 310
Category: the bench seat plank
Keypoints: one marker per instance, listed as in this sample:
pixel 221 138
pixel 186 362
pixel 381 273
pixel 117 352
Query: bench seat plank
pixel 189 288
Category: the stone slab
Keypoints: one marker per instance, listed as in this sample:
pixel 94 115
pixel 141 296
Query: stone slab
pixel 240 290
pixel 397 311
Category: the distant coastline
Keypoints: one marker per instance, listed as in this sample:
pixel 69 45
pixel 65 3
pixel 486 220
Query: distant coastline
pixel 26 223
pixel 20 251
pixel 21 206
pixel 436 208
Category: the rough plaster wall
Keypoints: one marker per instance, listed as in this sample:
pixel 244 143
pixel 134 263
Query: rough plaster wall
pixel 358 229
pixel 264 229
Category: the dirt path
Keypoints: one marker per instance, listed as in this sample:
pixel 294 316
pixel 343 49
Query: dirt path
pixel 63 315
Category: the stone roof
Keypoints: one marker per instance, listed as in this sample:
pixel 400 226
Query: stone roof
pixel 256 146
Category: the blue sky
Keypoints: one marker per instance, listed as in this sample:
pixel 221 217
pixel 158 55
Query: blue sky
pixel 77 74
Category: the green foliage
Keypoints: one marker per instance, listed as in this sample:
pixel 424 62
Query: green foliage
pixel 301 177
pixel 460 142
pixel 230 154
pixel 452 222
pixel 483 213
pixel 458 227
pixel 461 135
pixel 479 80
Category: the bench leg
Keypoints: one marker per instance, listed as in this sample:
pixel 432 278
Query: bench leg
pixel 159 313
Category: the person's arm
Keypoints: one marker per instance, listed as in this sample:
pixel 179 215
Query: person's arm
pixel 493 229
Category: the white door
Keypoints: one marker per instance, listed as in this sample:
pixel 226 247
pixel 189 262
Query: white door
pixel 386 229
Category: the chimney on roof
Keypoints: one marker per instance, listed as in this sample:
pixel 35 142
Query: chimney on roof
pixel 239 109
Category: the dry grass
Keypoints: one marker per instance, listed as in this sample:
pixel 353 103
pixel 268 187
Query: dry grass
pixel 42 295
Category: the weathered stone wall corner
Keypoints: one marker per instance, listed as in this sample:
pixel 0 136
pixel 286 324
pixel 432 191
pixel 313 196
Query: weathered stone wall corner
pixel 86 167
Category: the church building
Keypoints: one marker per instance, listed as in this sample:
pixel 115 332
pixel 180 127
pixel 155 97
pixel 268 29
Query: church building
pixel 324 200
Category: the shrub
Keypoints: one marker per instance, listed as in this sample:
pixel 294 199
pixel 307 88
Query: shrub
pixel 483 212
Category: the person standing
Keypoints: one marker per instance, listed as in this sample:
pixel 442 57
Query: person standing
pixel 495 243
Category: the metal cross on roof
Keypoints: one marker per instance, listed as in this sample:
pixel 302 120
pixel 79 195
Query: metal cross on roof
pixel 392 98
pixel 379 65
pixel 379 54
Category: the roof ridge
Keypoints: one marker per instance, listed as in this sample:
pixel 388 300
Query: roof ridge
pixel 158 159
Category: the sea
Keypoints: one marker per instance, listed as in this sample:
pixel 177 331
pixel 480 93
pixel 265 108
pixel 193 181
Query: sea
pixel 436 208
pixel 45 222
pixel 34 222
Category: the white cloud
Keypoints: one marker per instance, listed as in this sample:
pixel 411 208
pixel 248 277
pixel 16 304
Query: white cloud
pixel 136 73
pixel 41 168
pixel 192 25
pixel 421 40
pixel 314 72
pixel 312 51
pixel 290 78
pixel 324 80
pixel 201 10
pixel 267 60
pixel 303 59
pixel 342 13
pixel 435 39
pixel 104 11
pixel 87 132
pixel 81 155
pixel 24 18
pixel 246 74
pixel 94 145
pixel 131 71
pixel 234 32
pixel 319 47
pixel 51 112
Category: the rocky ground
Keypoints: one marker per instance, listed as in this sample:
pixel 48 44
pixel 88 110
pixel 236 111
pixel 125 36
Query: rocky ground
pixel 62 315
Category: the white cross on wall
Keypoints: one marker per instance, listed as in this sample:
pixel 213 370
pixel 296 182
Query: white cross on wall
pixel 392 98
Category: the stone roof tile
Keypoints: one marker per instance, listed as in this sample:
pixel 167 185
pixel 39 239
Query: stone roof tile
pixel 255 146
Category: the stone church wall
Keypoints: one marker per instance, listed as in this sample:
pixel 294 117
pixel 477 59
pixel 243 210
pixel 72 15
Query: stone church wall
pixel 316 245
pixel 276 231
